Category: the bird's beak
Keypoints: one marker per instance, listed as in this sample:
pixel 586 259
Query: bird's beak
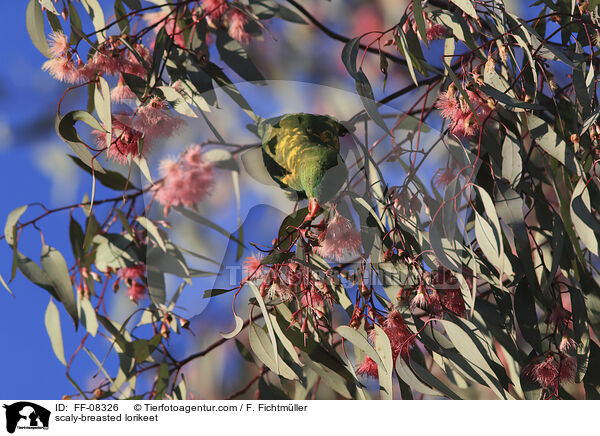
pixel 313 208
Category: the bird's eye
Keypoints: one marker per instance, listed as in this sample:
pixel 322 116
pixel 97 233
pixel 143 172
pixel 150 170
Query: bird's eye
pixel 342 131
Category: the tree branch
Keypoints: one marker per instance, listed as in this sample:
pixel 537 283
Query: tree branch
pixel 338 37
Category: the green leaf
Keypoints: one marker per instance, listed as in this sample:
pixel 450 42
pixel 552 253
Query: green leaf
pixel 222 159
pixel 365 92
pixel 55 267
pixel 143 348
pixel 349 55
pixel 586 224
pixel 525 314
pixel 152 231
pixel 102 104
pixel 244 352
pixel 11 224
pixel 133 4
pixel 75 22
pixel 287 231
pixel 466 6
pixel 120 15
pixel 546 137
pixel 205 222
pixel 156 286
pixel 76 236
pixel 287 14
pixel 87 315
pixel 110 179
pixel 221 79
pixel 287 344
pixel 402 44
pixel 420 20
pixel 239 324
pixel 162 383
pixel 35 27
pixel 10 236
pixel 52 322
pixel 471 346
pixel 35 274
pixel 260 345
pixel 360 341
pixel 276 258
pixel 65 127
pixel 505 99
pixel 406 374
pixel 214 292
pixel 268 324
pixel 331 377
pixel 236 57
pixel 512 164
pixel 114 251
pixel 385 371
pixel 177 101
pixel 5 285
pixel 581 331
pixel 94 9
pixel 428 377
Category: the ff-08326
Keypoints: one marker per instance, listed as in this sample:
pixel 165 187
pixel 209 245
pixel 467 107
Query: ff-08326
pixel 96 407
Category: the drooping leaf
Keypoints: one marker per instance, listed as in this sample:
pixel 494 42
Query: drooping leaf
pixel 52 322
pixel 35 27
pixel 55 268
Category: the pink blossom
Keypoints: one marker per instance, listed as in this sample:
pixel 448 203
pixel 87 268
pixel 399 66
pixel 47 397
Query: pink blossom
pixel 436 31
pixel 458 112
pixel 121 92
pixel 104 61
pixel 154 119
pixel 566 344
pixel 136 292
pixel 568 368
pixel 559 316
pixel 186 181
pixel 546 372
pixel 132 272
pixel 133 65
pixel 215 8
pixel 340 239
pixel 314 300
pixel 169 24
pixel 280 290
pixel 453 300
pixel 368 368
pixel 237 26
pixel 125 142
pixel 426 298
pixel 443 176
pixel 63 69
pixel 398 333
pixel 291 274
pixel 59 44
pixel 253 270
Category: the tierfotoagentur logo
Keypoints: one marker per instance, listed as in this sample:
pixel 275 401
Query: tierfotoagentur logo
pixel 24 415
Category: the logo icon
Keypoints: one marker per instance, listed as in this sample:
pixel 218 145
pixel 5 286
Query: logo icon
pixel 26 415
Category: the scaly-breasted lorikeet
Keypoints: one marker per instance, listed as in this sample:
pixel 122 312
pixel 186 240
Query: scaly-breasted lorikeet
pixel 302 153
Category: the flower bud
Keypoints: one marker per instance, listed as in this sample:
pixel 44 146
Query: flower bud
pixel 366 292
pixel 490 64
pixel 502 52
pixel 164 331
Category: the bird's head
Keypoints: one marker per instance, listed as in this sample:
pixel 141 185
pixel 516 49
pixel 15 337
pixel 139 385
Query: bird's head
pixel 321 179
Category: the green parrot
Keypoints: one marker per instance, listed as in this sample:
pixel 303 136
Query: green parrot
pixel 302 153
